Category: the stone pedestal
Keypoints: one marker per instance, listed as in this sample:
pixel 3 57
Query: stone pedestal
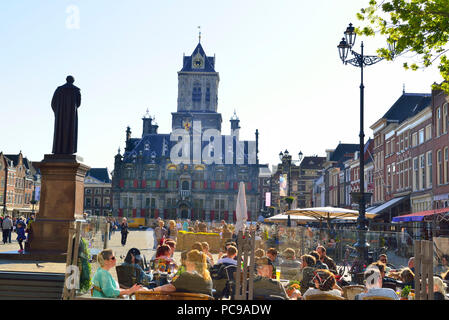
pixel 61 202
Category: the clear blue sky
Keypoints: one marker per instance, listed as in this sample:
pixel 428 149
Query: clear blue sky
pixel 278 64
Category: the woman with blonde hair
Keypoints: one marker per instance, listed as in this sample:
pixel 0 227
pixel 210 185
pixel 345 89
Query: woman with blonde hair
pixel 172 231
pixel 439 289
pixel 104 285
pixel 195 279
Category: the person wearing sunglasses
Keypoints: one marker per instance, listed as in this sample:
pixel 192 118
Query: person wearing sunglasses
pixel 104 285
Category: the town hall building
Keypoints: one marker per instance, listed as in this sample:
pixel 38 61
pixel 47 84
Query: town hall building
pixel 193 172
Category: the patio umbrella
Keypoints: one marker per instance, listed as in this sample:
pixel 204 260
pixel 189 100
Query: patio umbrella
pixel 328 213
pixel 241 209
pixel 282 218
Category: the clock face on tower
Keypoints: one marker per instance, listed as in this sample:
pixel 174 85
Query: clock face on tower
pixel 198 62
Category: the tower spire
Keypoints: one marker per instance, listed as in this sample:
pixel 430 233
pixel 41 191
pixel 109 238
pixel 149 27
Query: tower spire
pixel 199 34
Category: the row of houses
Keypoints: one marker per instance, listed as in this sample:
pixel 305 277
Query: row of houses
pixel 406 163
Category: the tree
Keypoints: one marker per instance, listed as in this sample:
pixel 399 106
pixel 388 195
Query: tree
pixel 417 26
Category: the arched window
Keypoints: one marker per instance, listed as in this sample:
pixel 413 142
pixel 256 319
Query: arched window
pixel 207 97
pixel 185 185
pixel 196 96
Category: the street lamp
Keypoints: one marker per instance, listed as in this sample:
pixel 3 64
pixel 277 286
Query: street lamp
pixel 360 60
pixel 287 160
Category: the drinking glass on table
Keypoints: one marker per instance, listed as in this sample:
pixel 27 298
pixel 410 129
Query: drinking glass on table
pixel 278 275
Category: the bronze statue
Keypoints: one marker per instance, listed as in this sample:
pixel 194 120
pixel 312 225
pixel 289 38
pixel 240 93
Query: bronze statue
pixel 65 103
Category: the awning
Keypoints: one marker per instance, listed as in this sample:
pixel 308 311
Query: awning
pixel 419 216
pixel 386 205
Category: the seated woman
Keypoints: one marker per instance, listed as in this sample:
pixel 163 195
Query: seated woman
pixel 325 283
pixel 163 261
pixel 439 289
pixel 407 277
pixel 196 278
pixel 133 258
pixel 306 273
pixel 104 285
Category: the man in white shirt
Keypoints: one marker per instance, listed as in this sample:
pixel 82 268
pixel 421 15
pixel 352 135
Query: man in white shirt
pixel 7 226
pixel 373 284
pixel 231 253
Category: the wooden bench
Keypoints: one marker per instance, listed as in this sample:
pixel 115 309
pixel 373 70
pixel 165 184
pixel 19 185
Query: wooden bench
pixel 31 285
pixel 151 295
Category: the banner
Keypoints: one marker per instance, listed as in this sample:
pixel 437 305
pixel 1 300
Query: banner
pixel 37 194
pixel 267 199
pixel 283 185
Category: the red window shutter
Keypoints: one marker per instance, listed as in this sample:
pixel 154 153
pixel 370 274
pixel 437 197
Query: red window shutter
pixel 120 212
pixel 234 216
pixel 134 213
pixel 142 213
pixel 165 214
pixel 156 213
pixel 158 183
pixel 249 185
pixel 249 215
pixel 205 184
pixel 166 183
pixel 226 215
pixel 135 183
pixel 227 185
pixel 144 183
pixel 212 215
pixel 213 185
pixel 236 185
pixel 122 183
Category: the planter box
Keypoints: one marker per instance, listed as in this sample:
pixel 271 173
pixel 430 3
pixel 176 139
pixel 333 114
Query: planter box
pixel 186 240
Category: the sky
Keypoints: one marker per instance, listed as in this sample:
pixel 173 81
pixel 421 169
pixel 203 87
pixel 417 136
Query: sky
pixel 277 60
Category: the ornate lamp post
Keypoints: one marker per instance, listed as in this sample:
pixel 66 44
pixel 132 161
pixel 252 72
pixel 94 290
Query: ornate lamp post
pixel 360 61
pixel 286 159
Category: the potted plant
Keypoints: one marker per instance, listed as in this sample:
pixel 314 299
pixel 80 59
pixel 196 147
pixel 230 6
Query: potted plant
pixel 405 292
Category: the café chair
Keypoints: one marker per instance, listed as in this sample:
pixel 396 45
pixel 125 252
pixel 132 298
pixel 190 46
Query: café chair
pixel 377 298
pixel 151 295
pixel 127 275
pixel 323 296
pixel 349 292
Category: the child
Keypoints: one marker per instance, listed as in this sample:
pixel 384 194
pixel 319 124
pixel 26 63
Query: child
pixel 20 229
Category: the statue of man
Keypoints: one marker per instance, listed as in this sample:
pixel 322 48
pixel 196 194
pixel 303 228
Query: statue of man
pixel 65 103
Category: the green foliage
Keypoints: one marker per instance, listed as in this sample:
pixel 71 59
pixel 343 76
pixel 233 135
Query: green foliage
pixel 84 265
pixel 418 26
pixel 406 291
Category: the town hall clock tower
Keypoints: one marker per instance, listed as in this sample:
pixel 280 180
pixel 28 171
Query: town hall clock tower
pixel 197 93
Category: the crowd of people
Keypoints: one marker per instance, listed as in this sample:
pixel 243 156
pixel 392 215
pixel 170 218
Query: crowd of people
pixel 316 273
pixel 20 226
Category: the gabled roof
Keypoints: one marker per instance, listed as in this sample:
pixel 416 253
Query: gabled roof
pixel 100 174
pixel 209 62
pixel 408 105
pixel 343 149
pixel 312 162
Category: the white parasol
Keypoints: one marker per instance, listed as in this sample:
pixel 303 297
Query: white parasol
pixel 241 209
